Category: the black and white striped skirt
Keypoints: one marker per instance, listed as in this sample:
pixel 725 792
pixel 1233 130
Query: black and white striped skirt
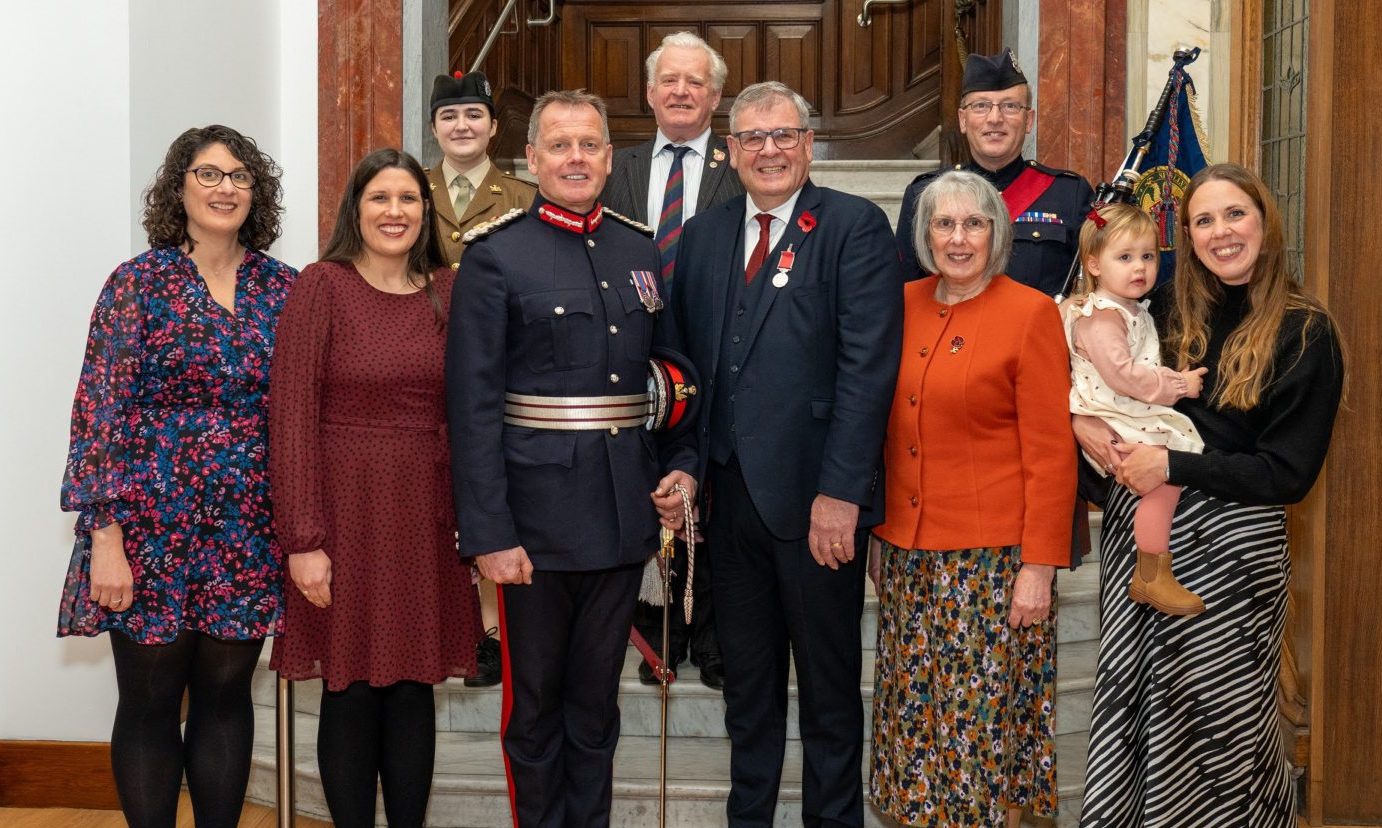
pixel 1184 730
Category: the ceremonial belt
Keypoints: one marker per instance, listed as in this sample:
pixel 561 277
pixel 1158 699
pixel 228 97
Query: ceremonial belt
pixel 1029 186
pixel 575 413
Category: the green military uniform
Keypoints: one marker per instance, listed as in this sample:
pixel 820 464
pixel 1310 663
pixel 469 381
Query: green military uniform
pixel 496 195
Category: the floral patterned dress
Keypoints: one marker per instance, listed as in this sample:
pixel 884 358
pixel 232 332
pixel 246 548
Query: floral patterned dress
pixel 169 439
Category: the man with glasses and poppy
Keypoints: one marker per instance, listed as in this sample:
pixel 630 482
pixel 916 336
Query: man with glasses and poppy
pixel 1047 205
pixel 788 300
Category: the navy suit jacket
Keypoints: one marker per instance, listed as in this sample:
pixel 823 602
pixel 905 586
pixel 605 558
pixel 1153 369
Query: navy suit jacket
pixel 816 385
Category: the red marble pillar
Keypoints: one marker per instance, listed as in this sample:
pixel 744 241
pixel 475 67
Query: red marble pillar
pixel 1081 86
pixel 359 92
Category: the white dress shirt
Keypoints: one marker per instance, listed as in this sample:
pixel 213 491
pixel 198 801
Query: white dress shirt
pixel 781 214
pixel 692 165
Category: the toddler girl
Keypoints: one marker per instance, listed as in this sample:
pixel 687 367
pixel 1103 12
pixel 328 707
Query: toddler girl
pixel 1117 375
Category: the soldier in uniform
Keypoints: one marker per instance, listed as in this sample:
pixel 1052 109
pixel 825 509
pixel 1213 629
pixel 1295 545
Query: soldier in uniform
pixel 556 480
pixel 468 190
pixel 1047 205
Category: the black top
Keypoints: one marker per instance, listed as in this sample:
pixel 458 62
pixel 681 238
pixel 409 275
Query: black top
pixel 1271 454
pixel 1046 236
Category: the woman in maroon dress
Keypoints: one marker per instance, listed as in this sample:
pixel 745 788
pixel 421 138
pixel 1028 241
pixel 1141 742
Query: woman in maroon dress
pixel 380 605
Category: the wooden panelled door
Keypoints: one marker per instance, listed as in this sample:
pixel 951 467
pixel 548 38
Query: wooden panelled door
pixel 874 91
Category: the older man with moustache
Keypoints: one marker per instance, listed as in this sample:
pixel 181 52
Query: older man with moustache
pixel 682 170
pixel 551 329
pixel 1047 205
pixel 788 300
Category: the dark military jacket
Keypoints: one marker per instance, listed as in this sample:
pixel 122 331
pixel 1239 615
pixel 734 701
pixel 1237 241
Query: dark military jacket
pixel 499 193
pixel 546 306
pixel 1046 236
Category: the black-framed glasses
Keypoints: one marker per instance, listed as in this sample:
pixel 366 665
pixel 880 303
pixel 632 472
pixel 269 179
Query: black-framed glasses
pixel 211 177
pixel 943 226
pixel 784 138
pixel 1010 109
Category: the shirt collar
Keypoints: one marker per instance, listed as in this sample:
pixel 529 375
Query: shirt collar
pixel 782 212
pixel 698 144
pixel 475 175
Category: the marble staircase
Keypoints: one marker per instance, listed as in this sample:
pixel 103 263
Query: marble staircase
pixel 469 785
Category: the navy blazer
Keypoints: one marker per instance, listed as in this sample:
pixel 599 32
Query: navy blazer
pixel 626 190
pixel 815 388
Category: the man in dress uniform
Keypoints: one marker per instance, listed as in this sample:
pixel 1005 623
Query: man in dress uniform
pixel 556 480
pixel 468 190
pixel 788 301
pixel 1047 205
pixel 664 182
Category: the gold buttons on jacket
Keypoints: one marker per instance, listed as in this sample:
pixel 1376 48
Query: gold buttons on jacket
pixel 559 310
pixel 455 265
pixel 1036 234
pixel 589 242
pixel 912 399
pixel 604 286
pixel 945 311
pixel 613 329
pixel 455 235
pixel 912 450
pixel 914 500
pixel 613 430
pixel 613 377
pixel 925 350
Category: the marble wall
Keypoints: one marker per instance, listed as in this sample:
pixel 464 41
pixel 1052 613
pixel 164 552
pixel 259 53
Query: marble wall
pixel 1156 29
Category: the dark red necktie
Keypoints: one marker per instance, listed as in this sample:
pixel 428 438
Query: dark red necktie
pixel 760 250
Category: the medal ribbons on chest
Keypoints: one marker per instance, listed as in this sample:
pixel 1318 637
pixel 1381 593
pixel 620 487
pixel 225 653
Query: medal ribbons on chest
pixel 1038 217
pixel 645 282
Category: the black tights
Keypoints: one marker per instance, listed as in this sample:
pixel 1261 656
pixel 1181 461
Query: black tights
pixel 377 735
pixel 148 751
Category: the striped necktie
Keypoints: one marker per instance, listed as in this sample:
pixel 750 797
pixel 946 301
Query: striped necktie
pixel 669 223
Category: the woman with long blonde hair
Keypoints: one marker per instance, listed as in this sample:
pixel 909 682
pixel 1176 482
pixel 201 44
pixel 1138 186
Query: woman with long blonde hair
pixel 1184 729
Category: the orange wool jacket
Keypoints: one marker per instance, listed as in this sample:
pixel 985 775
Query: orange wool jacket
pixel 979 449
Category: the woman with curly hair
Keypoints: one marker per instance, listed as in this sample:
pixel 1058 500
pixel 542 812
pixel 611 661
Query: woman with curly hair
pixel 175 553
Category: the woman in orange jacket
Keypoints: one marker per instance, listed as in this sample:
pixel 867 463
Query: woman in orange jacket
pixel 980 465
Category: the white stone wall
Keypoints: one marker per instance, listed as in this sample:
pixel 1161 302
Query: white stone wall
pixel 1156 29
pixel 95 90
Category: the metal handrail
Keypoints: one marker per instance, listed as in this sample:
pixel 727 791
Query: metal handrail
pixel 499 26
pixel 865 19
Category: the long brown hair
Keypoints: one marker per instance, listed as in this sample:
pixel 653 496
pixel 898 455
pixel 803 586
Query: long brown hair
pixel 347 243
pixel 1246 365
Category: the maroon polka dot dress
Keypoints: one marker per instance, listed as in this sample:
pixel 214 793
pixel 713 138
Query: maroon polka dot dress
pixel 359 467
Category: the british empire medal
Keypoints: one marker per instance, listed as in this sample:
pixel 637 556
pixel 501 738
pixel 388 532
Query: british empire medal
pixel 785 260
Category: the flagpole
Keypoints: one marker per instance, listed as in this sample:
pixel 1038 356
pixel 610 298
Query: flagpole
pixel 1120 188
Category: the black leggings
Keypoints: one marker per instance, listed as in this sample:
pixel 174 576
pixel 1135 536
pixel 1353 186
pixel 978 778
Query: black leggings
pixel 368 736
pixel 149 753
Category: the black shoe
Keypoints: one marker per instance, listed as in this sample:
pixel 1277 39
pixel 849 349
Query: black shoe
pixel 646 675
pixel 712 672
pixel 489 664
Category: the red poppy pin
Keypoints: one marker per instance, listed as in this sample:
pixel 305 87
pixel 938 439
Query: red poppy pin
pixel 806 221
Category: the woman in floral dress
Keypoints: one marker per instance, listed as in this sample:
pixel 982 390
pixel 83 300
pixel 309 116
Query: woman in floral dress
pixel 175 554
pixel 981 484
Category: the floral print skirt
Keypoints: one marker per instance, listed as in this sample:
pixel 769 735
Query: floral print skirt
pixel 963 705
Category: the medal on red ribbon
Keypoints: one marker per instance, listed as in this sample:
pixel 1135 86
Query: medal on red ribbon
pixel 785 260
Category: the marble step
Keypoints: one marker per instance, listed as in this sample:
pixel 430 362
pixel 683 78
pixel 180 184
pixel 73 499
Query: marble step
pixel 694 710
pixel 469 788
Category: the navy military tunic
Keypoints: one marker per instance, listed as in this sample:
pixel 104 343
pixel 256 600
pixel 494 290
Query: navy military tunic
pixel 546 305
pixel 1046 236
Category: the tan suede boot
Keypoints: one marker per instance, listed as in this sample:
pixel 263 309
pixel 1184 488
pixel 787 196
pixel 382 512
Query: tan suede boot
pixel 1154 584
